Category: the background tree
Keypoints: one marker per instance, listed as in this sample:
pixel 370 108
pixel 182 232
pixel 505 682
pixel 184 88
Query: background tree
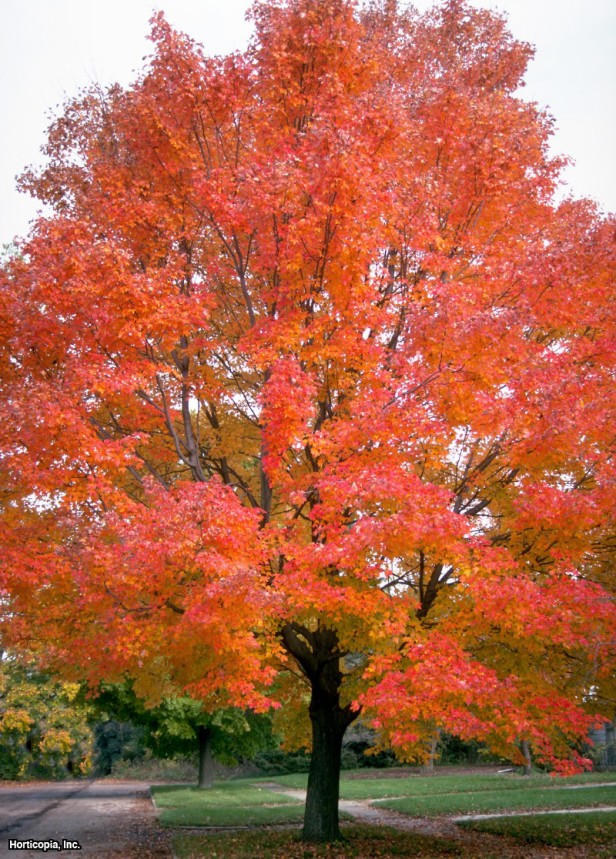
pixel 179 727
pixel 116 742
pixel 44 730
pixel 307 377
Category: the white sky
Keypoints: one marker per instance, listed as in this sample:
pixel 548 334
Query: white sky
pixel 49 49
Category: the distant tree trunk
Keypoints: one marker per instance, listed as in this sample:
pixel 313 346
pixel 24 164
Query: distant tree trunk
pixel 206 761
pixel 429 765
pixel 525 748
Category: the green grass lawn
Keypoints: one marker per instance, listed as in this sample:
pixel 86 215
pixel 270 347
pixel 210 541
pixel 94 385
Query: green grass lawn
pixel 554 830
pixel 480 802
pixel 244 803
pixel 355 784
pixel 232 803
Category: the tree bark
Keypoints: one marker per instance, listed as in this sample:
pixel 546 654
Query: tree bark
pixel 429 764
pixel 527 757
pixel 206 760
pixel 319 656
pixel 321 822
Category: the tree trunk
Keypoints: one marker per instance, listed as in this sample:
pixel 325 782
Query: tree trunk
pixel 527 757
pixel 206 761
pixel 321 814
pixel 429 764
pixel 319 657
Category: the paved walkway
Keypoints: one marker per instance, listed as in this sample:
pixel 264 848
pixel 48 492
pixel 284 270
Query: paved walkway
pixel 466 817
pixel 92 818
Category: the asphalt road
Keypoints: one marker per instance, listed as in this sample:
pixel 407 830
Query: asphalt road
pixel 71 819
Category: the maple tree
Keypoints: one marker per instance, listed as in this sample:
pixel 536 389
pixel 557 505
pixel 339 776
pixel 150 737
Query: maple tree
pixel 307 384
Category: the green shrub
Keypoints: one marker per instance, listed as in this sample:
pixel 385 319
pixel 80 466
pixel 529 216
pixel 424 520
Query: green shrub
pixel 277 762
